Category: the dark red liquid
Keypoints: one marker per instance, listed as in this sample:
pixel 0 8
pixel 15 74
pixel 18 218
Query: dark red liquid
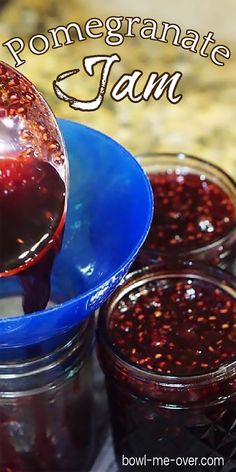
pixel 32 202
pixel 176 327
pixel 61 427
pixel 171 327
pixel 48 425
pixel 190 212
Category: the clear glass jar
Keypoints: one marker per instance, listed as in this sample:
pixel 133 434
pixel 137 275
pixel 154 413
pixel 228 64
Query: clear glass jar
pixel 206 242
pixel 46 415
pixel 156 415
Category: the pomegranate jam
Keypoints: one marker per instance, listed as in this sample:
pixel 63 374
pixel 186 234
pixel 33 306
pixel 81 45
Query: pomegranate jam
pixel 46 405
pixel 32 200
pixel 194 213
pixel 167 345
pixel 33 187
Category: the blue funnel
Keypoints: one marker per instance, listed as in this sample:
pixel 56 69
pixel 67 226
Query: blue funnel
pixel 109 215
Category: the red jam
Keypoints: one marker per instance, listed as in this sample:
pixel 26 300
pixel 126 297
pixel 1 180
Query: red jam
pixel 167 345
pixel 33 184
pixel 190 212
pixel 32 200
pixel 175 326
pixel 46 405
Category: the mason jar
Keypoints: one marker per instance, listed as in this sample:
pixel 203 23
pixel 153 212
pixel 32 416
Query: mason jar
pixel 194 211
pixel 46 404
pixel 161 411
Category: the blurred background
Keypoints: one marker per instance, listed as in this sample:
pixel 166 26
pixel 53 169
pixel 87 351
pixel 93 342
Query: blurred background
pixel 203 123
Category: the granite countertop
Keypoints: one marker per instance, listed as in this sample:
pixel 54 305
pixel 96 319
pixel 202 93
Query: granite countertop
pixel 203 123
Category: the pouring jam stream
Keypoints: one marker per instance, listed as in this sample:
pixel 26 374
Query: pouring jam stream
pixel 33 188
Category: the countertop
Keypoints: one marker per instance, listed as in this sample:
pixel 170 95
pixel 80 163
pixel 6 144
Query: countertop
pixel 202 124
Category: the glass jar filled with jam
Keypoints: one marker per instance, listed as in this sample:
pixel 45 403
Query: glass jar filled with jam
pixel 194 211
pixel 167 346
pixel 46 405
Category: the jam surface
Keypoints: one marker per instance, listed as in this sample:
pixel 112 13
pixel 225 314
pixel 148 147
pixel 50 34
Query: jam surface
pixel 190 211
pixel 175 326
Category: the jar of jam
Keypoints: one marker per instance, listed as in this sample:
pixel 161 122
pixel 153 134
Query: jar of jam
pixel 194 211
pixel 167 346
pixel 46 417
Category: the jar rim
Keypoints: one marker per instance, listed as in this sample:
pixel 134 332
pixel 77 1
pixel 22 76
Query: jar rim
pixel 181 156
pixel 213 274
pixel 36 374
